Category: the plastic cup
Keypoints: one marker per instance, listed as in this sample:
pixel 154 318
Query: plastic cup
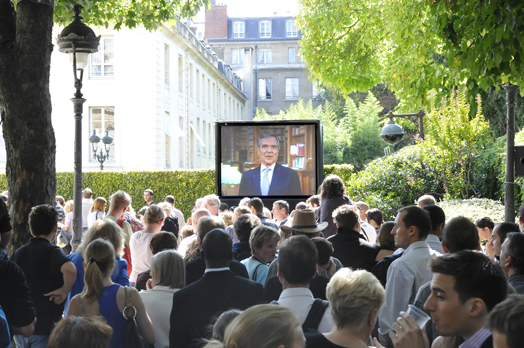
pixel 420 317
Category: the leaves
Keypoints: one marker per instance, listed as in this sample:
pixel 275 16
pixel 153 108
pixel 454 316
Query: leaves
pixel 129 13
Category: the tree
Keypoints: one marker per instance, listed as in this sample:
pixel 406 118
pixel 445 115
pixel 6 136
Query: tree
pixel 414 46
pixel 25 103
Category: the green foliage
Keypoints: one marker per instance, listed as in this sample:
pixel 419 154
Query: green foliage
pixel 352 138
pixel 483 40
pixel 455 140
pixel 122 13
pixel 495 110
pixel 397 180
pixel 344 171
pixel 414 46
pixel 473 209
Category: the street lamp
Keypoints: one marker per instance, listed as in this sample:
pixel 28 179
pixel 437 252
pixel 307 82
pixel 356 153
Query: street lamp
pixel 99 155
pixel 392 133
pixel 78 40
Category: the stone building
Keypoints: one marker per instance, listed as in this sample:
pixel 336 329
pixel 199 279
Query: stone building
pixel 265 52
pixel 156 93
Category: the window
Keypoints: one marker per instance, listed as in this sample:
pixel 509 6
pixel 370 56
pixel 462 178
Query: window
pixel 300 59
pixel 265 29
pixel 166 64
pixel 291 29
pixel 291 58
pixel 238 30
pixel 292 88
pixel 197 86
pixel 237 55
pixel 102 120
pixel 264 56
pixel 264 89
pixel 204 91
pixel 180 72
pixel 316 88
pixel 102 62
pixel 190 80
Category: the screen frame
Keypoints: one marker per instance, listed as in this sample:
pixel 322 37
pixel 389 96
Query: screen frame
pixel 319 151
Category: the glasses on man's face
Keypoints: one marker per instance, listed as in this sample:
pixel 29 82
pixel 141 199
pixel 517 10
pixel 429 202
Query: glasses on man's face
pixel 208 204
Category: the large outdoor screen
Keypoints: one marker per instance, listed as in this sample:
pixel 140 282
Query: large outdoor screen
pixel 281 158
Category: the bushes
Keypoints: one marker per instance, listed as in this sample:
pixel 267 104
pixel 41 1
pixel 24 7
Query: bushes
pixel 391 182
pixel 473 209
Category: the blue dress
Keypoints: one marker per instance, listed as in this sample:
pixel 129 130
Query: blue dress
pixel 119 276
pixel 108 308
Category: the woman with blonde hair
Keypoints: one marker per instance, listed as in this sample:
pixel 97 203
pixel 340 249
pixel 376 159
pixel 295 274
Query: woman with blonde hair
pixel 263 326
pixel 97 211
pixel 104 298
pixel 64 239
pixel 167 277
pixel 263 242
pixel 109 231
pixel 139 244
pixel 355 298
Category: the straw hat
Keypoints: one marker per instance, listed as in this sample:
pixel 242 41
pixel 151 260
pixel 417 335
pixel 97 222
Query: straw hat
pixel 304 221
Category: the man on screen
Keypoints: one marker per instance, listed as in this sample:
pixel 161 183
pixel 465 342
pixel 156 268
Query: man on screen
pixel 270 178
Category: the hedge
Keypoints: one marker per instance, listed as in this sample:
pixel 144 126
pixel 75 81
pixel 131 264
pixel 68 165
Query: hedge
pixel 185 185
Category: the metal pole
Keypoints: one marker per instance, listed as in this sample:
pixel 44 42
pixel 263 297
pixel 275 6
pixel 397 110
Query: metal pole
pixel 78 103
pixel 509 196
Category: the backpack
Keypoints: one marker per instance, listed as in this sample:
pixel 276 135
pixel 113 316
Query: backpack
pixel 5 335
pixel 314 317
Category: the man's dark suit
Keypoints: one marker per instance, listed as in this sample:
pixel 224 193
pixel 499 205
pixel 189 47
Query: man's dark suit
pixel 285 182
pixel 195 269
pixel 197 304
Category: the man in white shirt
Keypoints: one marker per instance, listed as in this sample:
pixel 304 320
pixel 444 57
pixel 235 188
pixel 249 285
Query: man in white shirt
pixel 297 266
pixel 171 200
pixel 280 212
pixel 87 202
pixel 407 273
pixel 371 233
pixel 438 219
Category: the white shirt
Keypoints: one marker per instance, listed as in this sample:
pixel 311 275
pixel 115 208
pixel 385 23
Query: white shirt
pixel 370 232
pixel 269 175
pixel 86 206
pixel 434 243
pixel 140 253
pixel 180 216
pixel 300 300
pixel 405 276
pixel 184 244
pixel 159 303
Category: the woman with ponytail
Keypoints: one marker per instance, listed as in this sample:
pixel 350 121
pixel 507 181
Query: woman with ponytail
pixel 104 298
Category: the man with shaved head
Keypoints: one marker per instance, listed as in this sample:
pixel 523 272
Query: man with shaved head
pixel 197 214
pixel 217 291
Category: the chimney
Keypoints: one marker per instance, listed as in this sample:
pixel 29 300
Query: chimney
pixel 216 22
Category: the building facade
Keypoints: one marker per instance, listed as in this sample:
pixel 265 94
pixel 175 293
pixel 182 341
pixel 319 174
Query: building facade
pixel 157 94
pixel 275 75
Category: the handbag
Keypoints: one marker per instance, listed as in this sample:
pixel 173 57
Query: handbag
pixel 132 337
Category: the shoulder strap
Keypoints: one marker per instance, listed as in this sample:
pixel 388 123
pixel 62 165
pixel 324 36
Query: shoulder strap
pixel 255 273
pixel 129 302
pixel 315 314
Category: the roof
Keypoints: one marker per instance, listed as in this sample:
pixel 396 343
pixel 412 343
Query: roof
pixel 251 29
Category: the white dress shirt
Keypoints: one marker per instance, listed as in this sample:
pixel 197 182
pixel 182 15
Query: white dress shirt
pixel 405 276
pixel 300 300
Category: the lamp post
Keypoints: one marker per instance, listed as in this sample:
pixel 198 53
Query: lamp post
pixel 392 133
pixel 78 40
pixel 100 155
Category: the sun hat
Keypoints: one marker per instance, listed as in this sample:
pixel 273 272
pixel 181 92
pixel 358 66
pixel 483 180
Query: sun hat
pixel 304 221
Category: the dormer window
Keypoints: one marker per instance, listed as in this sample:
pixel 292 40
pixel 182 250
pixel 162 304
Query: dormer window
pixel 265 29
pixel 291 29
pixel 238 30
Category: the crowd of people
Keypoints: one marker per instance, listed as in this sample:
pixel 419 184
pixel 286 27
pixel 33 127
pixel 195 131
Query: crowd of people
pixel 328 273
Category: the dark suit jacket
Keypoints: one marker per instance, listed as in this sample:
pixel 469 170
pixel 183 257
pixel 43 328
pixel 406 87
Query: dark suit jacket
pixel 195 269
pixel 352 250
pixel 197 304
pixel 285 182
pixel 381 268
